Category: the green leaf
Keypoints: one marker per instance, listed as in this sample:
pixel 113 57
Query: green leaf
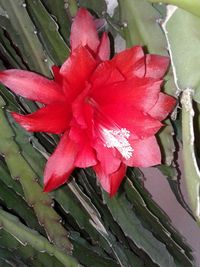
pixel 192 6
pixel 35 197
pixel 30 256
pixel 6 178
pixel 184 46
pixel 102 222
pixel 98 6
pixel 191 170
pixel 24 140
pixel 59 9
pixel 22 33
pixel 172 174
pixel 87 255
pixel 153 223
pixel 10 198
pixel 123 213
pixel 25 235
pixel 141 25
pixel 47 30
pixel 10 258
pixel 137 177
pixel 8 52
pixel 165 136
pixel 72 7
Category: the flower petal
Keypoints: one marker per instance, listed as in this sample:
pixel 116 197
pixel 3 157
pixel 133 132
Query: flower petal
pixel 116 179
pixel 53 118
pixel 86 156
pixel 110 182
pixel 105 74
pixel 156 66
pixel 142 97
pixel 60 164
pixel 82 111
pixel 163 107
pixel 140 124
pixel 83 31
pixel 77 69
pixel 146 153
pixel 104 47
pixel 130 62
pixel 31 85
pixel 108 157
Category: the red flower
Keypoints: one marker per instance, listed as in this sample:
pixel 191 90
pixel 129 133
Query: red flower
pixel 107 110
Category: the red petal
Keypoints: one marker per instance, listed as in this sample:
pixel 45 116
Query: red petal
pixel 130 62
pixel 53 118
pixel 163 107
pixel 77 70
pixel 156 66
pixel 83 31
pixel 104 47
pixel 116 179
pixel 146 153
pixel 105 74
pixel 86 156
pixel 108 157
pixel 60 164
pixel 140 124
pixel 31 85
pixel 110 182
pixel 82 111
pixel 142 97
pixel 102 177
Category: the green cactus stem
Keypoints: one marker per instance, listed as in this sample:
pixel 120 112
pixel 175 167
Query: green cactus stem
pixel 25 235
pixel 192 6
pixel 47 29
pixel 191 170
pixel 40 201
pixel 72 6
pixel 20 26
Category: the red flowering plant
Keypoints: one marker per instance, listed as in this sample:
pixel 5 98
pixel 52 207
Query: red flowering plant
pixel 107 111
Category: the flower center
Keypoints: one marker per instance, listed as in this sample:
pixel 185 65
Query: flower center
pixel 111 134
pixel 118 139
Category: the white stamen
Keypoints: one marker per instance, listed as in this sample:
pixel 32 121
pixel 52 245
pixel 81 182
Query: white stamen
pixel 118 139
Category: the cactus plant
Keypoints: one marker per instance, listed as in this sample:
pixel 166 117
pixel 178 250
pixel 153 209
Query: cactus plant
pixel 79 224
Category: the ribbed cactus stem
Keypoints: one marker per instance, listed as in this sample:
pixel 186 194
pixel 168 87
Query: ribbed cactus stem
pixel 34 195
pixel 26 236
pixel 191 170
pixel 192 6
pixel 21 24
pixel 72 6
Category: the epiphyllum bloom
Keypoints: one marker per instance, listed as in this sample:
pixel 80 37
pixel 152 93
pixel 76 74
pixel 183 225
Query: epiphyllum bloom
pixel 108 111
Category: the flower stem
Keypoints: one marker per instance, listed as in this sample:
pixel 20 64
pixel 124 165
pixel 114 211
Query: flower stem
pixel 190 6
pixel 72 7
pixel 191 170
pixel 26 236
